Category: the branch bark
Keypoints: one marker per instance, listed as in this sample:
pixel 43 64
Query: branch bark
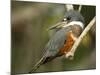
pixel 80 7
pixel 70 54
pixel 69 7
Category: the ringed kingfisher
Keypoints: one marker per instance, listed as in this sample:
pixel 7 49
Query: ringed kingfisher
pixel 66 32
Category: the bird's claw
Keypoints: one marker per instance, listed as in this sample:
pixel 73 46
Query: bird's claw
pixel 69 55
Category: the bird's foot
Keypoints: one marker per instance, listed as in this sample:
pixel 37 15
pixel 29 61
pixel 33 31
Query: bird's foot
pixel 70 55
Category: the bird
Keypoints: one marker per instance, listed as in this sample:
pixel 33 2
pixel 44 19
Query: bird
pixel 67 31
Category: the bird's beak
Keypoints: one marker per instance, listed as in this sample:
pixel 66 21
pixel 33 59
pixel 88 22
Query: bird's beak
pixel 59 25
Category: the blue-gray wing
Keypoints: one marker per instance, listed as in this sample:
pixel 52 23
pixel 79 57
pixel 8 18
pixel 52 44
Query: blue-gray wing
pixel 56 42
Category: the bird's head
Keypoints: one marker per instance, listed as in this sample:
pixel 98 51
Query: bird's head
pixel 71 17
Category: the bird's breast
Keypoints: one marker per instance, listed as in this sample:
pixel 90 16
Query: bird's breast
pixel 71 37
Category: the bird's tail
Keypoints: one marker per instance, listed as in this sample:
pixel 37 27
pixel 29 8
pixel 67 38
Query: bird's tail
pixel 37 65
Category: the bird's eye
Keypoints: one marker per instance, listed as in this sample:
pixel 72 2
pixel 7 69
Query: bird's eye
pixel 68 18
pixel 64 19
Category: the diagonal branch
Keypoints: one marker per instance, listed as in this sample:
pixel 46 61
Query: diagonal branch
pixel 80 7
pixel 70 54
pixel 69 7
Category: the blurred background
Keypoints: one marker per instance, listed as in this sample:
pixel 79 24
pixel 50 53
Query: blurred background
pixel 29 35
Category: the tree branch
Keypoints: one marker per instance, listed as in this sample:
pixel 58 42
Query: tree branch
pixel 69 7
pixel 70 54
pixel 80 7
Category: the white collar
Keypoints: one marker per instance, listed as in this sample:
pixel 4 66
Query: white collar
pixel 73 23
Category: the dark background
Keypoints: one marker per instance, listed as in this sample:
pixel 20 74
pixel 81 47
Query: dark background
pixel 29 35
